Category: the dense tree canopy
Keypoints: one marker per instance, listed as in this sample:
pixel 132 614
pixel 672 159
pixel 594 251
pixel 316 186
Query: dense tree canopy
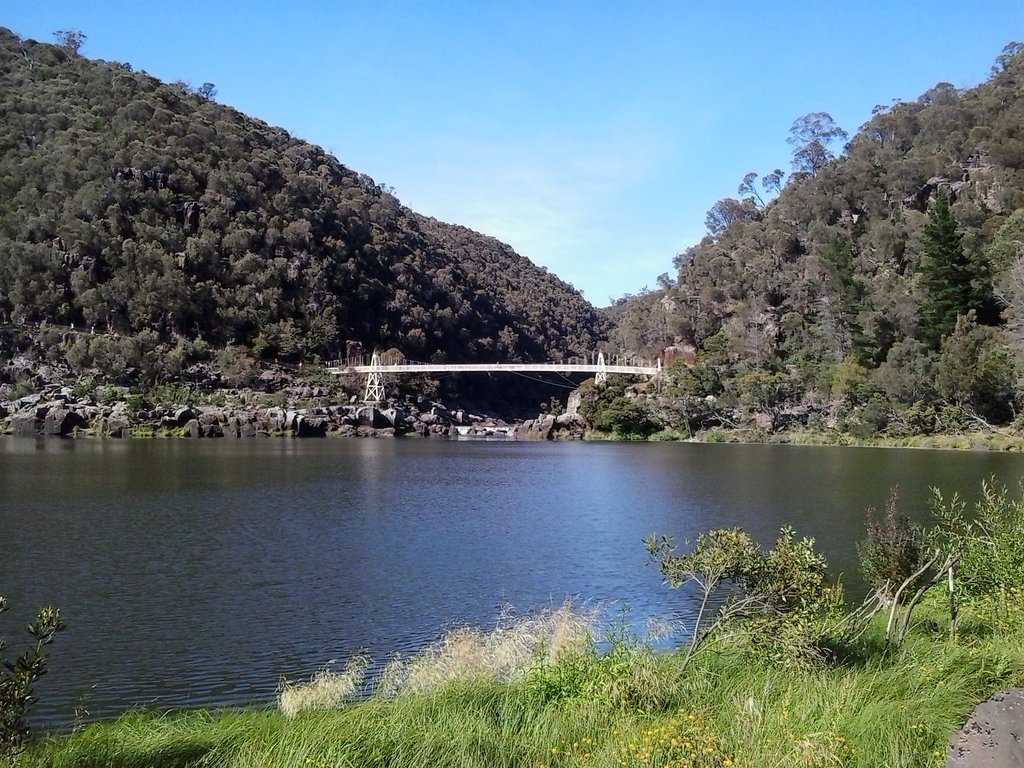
pixel 172 226
pixel 868 282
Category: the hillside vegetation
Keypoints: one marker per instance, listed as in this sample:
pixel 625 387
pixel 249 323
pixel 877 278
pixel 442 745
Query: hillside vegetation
pixel 171 228
pixel 879 292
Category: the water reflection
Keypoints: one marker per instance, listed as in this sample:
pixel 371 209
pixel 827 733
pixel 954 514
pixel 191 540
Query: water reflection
pixel 197 573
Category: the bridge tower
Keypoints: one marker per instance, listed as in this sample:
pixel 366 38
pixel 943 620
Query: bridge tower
pixel 374 382
pixel 601 377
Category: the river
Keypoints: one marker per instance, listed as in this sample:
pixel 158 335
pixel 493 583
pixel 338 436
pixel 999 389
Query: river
pixel 197 573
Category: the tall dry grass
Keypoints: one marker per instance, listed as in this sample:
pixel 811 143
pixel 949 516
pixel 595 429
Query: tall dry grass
pixel 502 654
pixel 325 690
pixel 464 654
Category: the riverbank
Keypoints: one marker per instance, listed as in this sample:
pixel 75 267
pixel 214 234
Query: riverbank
pixel 969 441
pixel 293 411
pixel 308 411
pixel 290 405
pixel 625 706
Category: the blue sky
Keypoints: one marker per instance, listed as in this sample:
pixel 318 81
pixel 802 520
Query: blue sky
pixel 592 136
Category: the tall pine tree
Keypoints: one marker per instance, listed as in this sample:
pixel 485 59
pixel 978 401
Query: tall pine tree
pixel 954 282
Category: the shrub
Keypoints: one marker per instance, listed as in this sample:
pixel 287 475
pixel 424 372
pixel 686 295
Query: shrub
pixel 780 601
pixel 607 409
pixel 504 653
pixel 893 550
pixel 17 678
pixel 988 545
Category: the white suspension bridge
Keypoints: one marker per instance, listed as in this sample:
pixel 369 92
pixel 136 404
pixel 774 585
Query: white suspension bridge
pixel 377 369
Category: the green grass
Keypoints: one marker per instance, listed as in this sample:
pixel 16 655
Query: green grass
pixel 626 707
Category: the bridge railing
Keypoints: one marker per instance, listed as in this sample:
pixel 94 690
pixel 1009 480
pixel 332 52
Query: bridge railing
pixel 611 361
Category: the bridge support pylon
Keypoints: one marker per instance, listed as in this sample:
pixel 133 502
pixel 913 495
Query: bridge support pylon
pixel 601 377
pixel 374 383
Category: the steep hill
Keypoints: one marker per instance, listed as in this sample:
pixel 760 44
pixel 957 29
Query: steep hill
pixel 174 226
pixel 880 290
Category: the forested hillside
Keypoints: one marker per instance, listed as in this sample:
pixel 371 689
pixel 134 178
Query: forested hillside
pixel 171 227
pixel 880 291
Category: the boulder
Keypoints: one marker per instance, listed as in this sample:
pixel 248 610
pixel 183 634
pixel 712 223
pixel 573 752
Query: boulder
pixel 24 425
pixel 183 415
pixel 193 428
pixel 394 416
pixel 992 734
pixel 42 409
pixel 307 427
pixel 685 353
pixel 276 419
pixel 369 416
pixel 572 406
pixel 61 421
pixel 535 429
pixel 28 400
pixel 211 415
pixel 90 412
pixel 113 426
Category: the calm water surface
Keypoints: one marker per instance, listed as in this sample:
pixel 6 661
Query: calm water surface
pixel 197 573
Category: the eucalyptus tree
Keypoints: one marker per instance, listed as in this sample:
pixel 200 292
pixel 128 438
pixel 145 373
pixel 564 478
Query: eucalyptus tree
pixel 810 137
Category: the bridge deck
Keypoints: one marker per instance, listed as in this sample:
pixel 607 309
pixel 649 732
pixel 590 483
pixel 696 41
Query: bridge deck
pixel 648 370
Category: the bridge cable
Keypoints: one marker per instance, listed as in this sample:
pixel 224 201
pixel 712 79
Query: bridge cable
pixel 545 381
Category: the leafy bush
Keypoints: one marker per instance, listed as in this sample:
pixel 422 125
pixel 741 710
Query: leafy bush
pixel 893 550
pixel 988 544
pixel 780 601
pixel 17 678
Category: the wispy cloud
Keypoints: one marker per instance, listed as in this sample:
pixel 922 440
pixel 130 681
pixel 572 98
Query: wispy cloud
pixel 557 200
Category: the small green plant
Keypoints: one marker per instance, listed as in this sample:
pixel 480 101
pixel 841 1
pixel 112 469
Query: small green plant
pixel 620 675
pixel 17 678
pixel 989 544
pixel 688 738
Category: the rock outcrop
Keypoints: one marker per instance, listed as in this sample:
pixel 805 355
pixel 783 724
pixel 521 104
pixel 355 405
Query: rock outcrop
pixel 57 411
pixel 992 735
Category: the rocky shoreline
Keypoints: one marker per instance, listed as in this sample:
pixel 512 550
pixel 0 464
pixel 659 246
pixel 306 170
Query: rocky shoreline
pixel 59 412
